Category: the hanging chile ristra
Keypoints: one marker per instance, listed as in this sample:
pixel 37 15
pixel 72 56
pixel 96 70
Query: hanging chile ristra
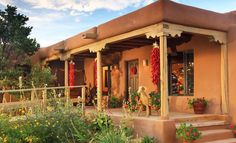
pixel 155 65
pixel 72 74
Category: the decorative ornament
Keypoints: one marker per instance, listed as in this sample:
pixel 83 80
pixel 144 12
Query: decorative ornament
pixel 133 70
pixel 72 74
pixel 155 64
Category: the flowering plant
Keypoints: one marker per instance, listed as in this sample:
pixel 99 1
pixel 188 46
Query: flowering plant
pixel 132 103
pixel 233 128
pixel 193 101
pixel 155 100
pixel 187 132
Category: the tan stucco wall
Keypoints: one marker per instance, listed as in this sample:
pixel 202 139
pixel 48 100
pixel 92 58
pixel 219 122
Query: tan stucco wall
pixel 144 71
pixel 232 72
pixel 206 75
pixel 89 71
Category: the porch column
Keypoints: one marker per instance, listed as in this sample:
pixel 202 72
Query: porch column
pixel 224 79
pixel 99 81
pixel 164 77
pixel 67 90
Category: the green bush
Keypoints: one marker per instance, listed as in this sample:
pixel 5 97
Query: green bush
pixel 148 139
pixel 114 102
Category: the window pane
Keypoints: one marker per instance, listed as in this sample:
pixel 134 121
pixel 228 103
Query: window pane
pixel 177 74
pixel 189 72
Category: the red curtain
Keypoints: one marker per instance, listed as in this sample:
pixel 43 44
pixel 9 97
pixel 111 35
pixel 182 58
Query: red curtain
pixel 72 74
pixel 155 65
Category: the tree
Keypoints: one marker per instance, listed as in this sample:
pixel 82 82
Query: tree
pixel 16 46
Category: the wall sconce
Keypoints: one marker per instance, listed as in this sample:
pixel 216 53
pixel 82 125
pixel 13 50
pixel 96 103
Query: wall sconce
pixel 145 62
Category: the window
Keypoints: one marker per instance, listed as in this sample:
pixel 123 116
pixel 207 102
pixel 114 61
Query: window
pixel 181 73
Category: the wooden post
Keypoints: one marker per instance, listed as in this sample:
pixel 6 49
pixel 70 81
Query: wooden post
pixel 164 77
pixel 224 79
pixel 83 100
pixel 99 81
pixel 67 90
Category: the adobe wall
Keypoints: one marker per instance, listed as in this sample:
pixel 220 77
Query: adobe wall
pixel 232 72
pixel 144 72
pixel 206 75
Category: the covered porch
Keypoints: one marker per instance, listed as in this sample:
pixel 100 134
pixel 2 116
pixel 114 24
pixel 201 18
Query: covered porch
pixel 171 39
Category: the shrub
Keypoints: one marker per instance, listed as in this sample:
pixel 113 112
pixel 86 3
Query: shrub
pixel 187 132
pixel 148 139
pixel 114 102
pixel 155 100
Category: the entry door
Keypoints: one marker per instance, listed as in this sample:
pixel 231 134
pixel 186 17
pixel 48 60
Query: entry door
pixel 133 73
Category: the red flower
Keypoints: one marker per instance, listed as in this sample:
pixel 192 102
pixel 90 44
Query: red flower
pixel 231 126
pixel 194 134
pixel 187 134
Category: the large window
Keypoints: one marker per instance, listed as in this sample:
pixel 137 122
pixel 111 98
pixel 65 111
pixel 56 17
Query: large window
pixel 181 73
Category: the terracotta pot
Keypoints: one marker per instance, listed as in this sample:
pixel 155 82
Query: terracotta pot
pixel 199 108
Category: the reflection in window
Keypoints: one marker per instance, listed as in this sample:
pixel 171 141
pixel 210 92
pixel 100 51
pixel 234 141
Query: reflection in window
pixel 181 73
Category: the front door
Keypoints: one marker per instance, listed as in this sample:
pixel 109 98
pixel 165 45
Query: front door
pixel 133 73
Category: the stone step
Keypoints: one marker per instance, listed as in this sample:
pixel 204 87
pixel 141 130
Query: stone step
pixel 213 135
pixel 205 117
pixel 207 124
pixel 230 140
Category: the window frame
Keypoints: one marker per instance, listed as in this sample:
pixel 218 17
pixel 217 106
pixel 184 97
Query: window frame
pixel 185 64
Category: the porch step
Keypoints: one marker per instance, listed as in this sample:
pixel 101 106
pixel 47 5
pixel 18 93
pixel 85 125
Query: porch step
pixel 207 125
pixel 214 135
pixel 230 140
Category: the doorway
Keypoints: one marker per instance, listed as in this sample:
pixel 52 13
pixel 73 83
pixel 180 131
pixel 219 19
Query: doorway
pixel 132 76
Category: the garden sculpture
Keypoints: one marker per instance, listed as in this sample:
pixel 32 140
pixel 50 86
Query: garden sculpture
pixel 144 101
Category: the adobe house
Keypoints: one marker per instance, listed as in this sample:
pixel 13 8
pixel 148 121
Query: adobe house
pixel 197 53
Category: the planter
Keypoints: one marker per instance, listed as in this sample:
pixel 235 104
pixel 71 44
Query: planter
pixel 199 107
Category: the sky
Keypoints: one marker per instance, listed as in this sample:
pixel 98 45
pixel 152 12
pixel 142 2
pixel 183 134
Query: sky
pixel 56 20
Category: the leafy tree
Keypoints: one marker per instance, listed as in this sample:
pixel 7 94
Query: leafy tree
pixel 16 46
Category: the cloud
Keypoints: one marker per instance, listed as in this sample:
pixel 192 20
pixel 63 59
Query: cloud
pixel 5 2
pixel 85 5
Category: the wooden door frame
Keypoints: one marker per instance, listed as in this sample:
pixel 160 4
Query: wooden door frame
pixel 127 78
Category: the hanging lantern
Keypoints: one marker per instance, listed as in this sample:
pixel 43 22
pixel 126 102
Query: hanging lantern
pixel 95 73
pixel 72 74
pixel 155 64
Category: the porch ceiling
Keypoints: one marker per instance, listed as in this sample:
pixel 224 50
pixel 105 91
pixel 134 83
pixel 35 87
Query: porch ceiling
pixel 136 42
pixel 143 41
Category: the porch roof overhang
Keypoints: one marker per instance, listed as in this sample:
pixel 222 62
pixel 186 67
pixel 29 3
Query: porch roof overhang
pixel 163 15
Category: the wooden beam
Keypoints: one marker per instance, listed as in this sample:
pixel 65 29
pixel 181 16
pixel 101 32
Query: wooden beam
pixel 99 81
pixel 164 77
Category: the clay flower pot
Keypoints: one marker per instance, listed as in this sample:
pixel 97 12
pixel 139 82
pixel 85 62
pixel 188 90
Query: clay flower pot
pixel 199 107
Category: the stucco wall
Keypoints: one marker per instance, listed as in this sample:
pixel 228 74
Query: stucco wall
pixel 232 72
pixel 89 71
pixel 144 71
pixel 206 75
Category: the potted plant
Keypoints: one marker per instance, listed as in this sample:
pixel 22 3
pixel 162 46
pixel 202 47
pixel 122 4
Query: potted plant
pixel 187 133
pixel 198 104
pixel 155 100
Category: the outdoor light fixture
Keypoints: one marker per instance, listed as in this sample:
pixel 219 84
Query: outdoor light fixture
pixel 145 62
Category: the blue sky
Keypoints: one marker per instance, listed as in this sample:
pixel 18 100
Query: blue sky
pixel 56 20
